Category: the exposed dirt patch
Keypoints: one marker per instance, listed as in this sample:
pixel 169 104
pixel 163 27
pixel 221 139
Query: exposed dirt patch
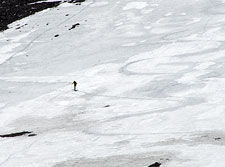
pixel 12 10
pixel 31 135
pixel 156 164
pixel 18 134
pixel 77 2
pixel 136 160
pixel 74 26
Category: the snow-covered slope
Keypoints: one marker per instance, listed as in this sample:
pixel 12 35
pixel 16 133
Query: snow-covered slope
pixel 150 80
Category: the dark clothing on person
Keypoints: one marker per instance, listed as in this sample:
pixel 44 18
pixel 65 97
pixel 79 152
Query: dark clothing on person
pixel 75 85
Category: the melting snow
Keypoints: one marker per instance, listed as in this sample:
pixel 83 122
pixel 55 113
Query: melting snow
pixel 159 72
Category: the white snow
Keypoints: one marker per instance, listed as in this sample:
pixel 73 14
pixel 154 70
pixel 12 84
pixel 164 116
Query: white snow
pixel 154 4
pixel 98 4
pixel 150 85
pixel 168 14
pixel 6 52
pixel 65 5
pixel 135 5
pixel 2 105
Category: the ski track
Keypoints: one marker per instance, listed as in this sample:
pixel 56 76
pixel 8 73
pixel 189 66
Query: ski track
pixel 164 86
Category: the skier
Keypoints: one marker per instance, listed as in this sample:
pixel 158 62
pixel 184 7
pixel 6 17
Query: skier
pixel 75 85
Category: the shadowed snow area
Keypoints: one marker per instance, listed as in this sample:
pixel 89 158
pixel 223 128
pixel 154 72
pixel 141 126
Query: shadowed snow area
pixel 150 79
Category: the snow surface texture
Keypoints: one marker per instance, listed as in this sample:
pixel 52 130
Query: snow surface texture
pixel 150 80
